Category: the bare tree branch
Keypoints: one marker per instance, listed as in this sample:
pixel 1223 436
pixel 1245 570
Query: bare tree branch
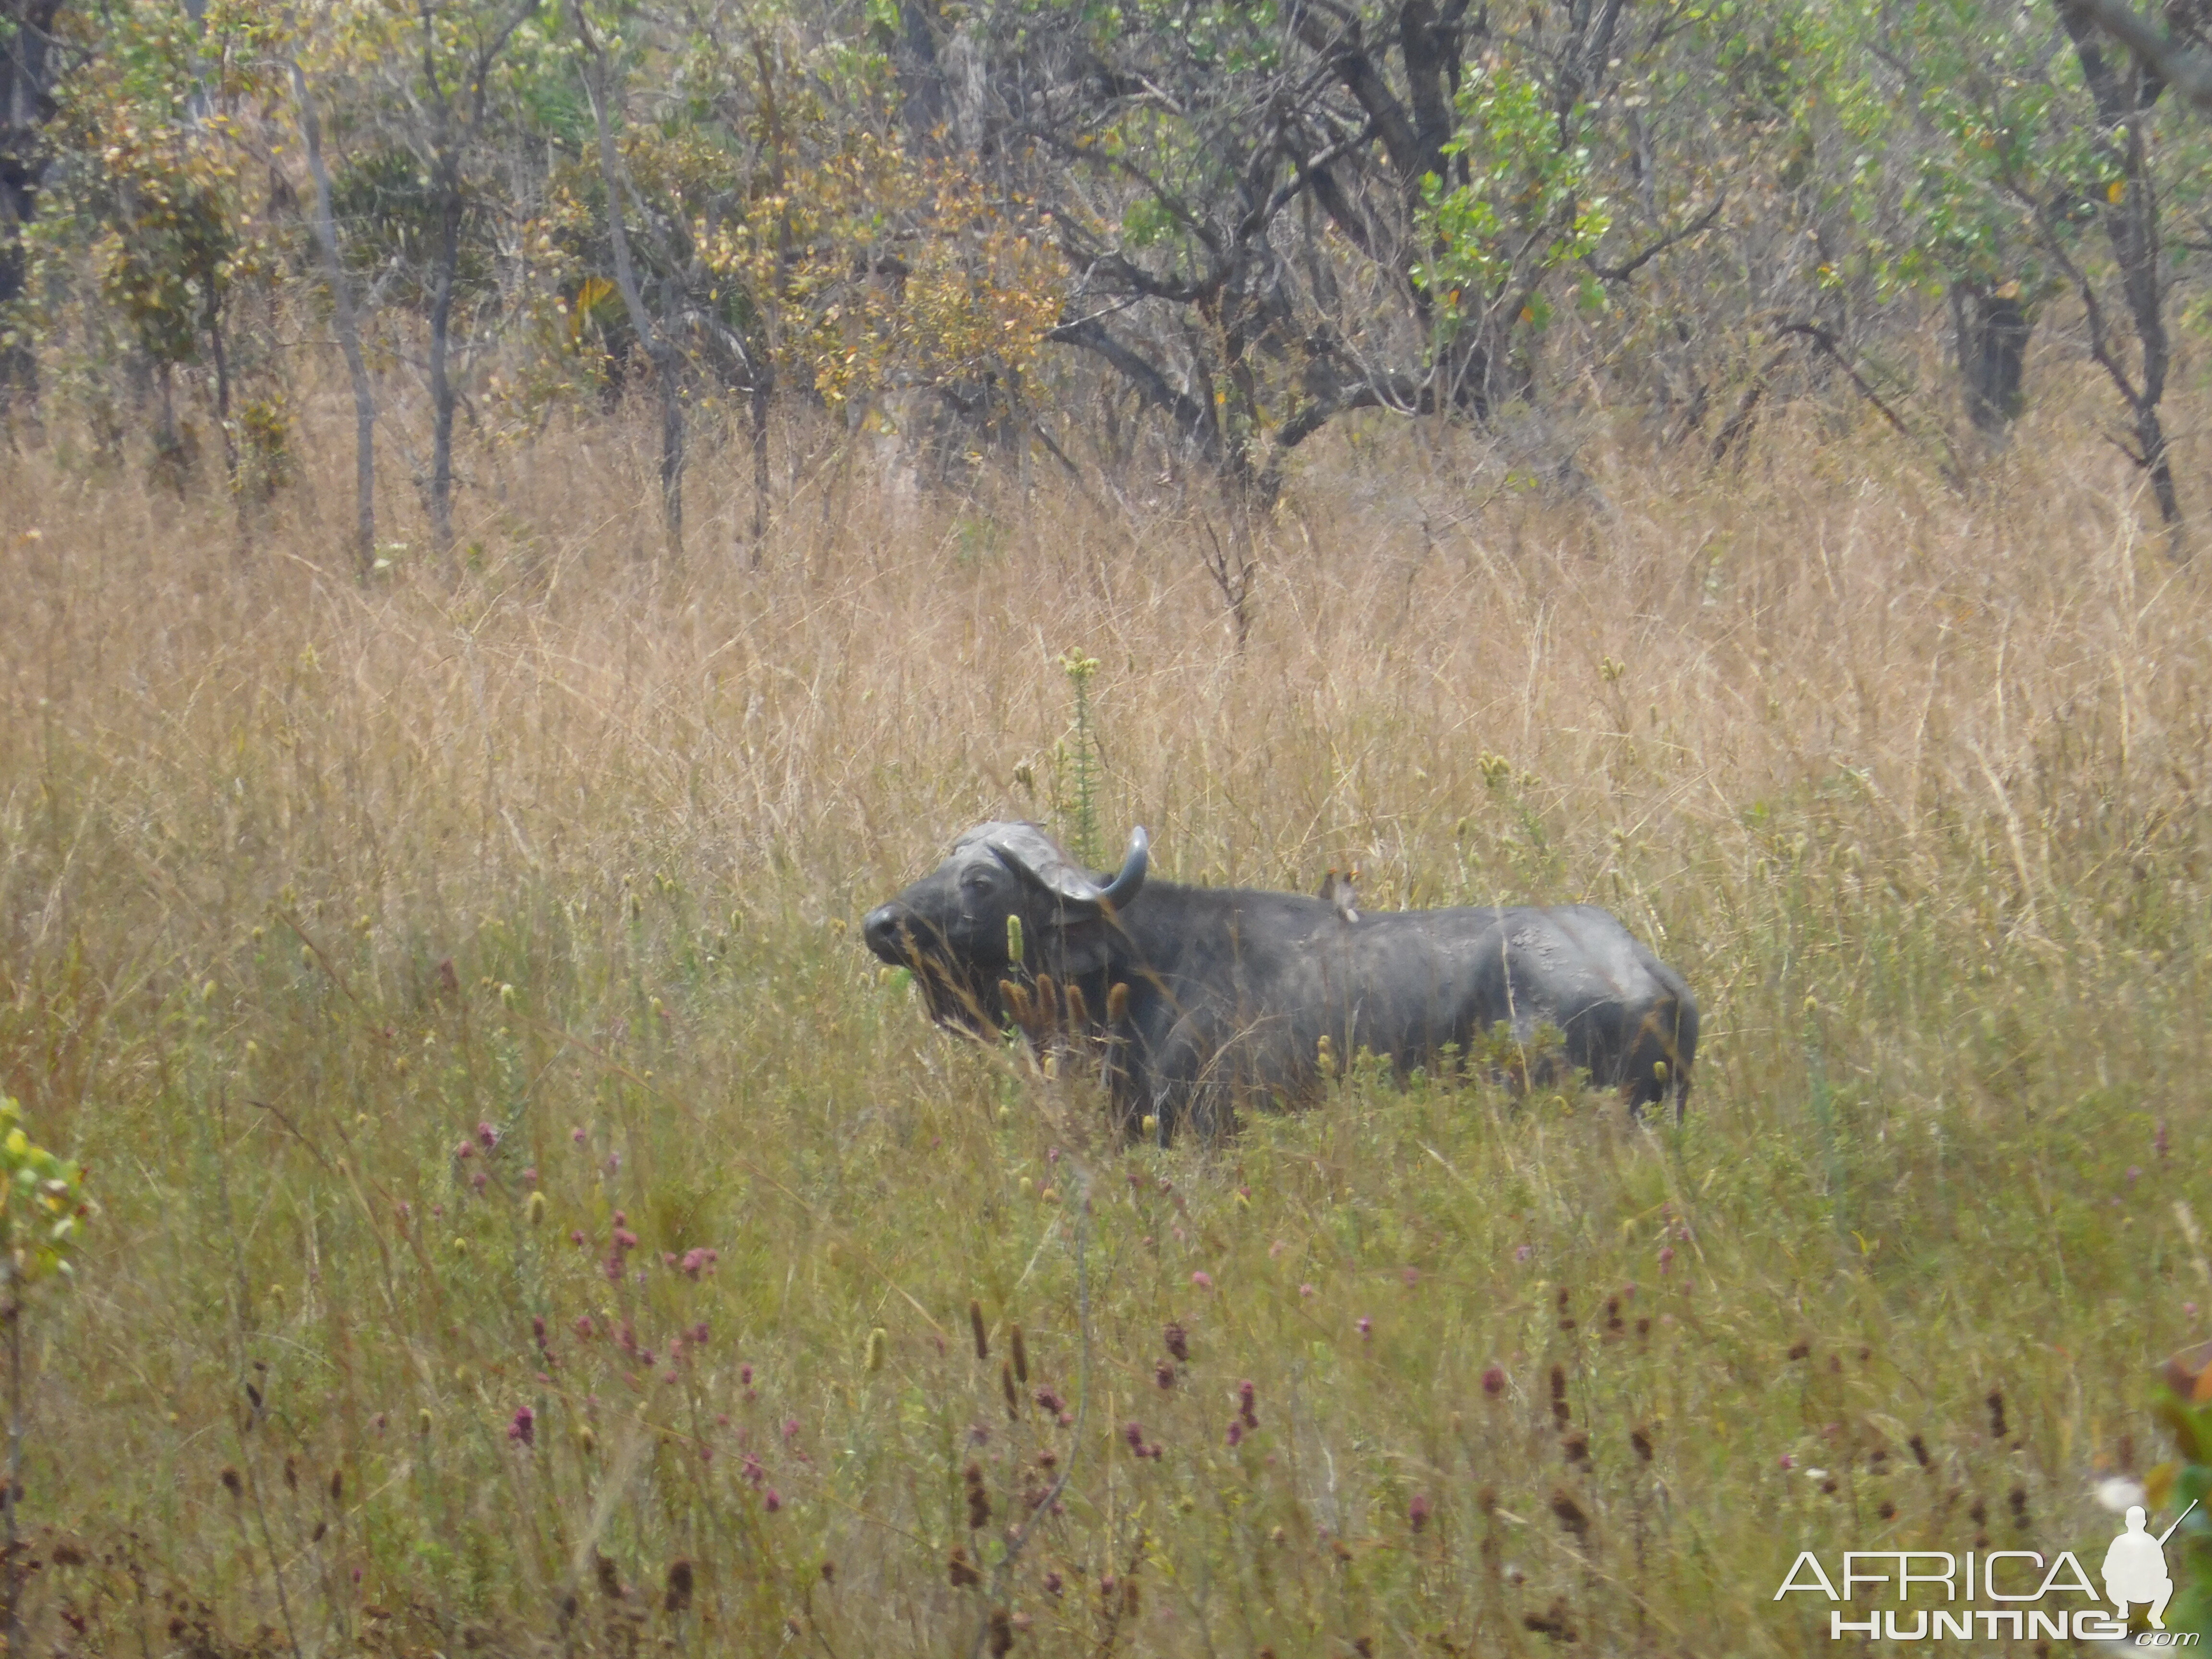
pixel 2185 67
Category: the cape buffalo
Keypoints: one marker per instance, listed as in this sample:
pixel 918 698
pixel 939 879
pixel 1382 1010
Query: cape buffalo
pixel 1204 998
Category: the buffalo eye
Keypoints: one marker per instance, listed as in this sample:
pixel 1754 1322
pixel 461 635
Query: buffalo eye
pixel 976 886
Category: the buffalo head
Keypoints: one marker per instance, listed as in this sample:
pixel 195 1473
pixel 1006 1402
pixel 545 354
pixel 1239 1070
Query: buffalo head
pixel 951 927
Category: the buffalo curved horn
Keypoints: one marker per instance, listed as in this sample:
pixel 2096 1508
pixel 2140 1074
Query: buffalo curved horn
pixel 1134 865
pixel 1028 848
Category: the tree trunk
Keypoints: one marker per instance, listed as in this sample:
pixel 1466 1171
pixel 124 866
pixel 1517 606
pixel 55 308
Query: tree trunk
pixel 25 78
pixel 1993 330
pixel 2123 100
pixel 922 92
pixel 364 400
pixel 441 316
pixel 666 364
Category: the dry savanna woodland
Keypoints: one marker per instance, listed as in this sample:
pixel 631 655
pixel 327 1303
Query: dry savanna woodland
pixel 519 523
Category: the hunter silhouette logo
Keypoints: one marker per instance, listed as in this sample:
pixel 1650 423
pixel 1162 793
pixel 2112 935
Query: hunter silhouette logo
pixel 2134 1567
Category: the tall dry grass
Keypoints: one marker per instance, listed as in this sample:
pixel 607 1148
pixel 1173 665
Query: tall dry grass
pixel 301 883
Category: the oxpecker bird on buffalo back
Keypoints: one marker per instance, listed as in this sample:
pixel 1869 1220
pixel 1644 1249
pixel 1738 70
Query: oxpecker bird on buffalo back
pixel 1208 1000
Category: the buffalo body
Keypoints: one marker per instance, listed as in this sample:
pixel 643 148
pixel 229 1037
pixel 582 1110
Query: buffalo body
pixel 1230 996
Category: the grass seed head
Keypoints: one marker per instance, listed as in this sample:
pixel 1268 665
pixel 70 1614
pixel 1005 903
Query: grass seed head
pixel 976 1326
pixel 1021 1354
pixel 676 1596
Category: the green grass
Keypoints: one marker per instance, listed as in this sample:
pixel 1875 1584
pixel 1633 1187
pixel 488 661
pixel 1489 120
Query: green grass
pixel 1932 863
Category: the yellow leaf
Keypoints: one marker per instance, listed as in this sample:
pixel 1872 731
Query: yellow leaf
pixel 2116 189
pixel 2157 1484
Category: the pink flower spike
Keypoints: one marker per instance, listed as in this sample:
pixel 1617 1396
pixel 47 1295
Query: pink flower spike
pixel 524 1427
pixel 1308 1290
pixel 1203 1279
pixel 1494 1379
pixel 487 1137
pixel 1417 1511
pixel 467 1149
pixel 771 1500
pixel 576 1134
